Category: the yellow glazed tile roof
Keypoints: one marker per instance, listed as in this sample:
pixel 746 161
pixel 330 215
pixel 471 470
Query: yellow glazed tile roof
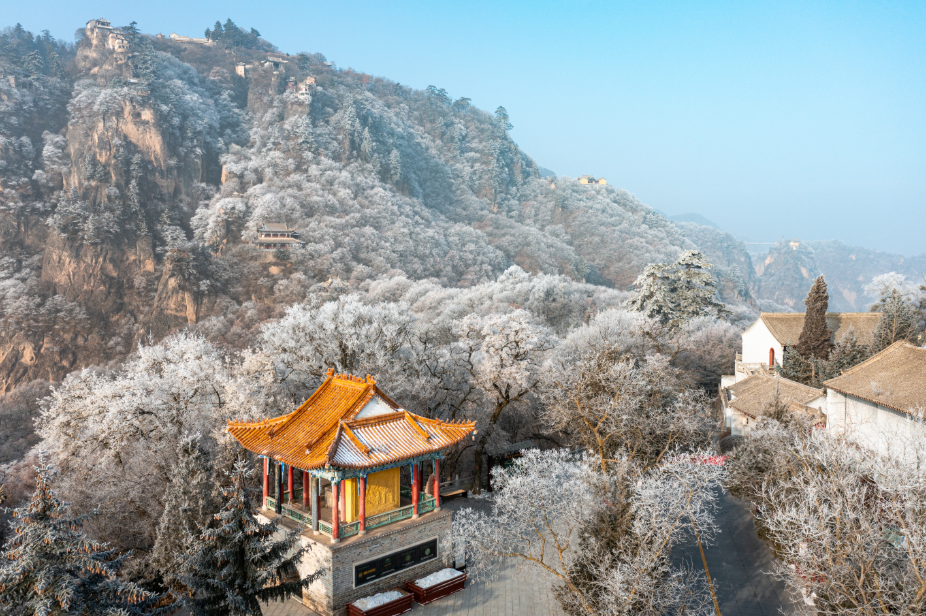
pixel 323 431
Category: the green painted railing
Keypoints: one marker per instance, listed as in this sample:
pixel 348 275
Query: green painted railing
pixel 349 529
pixel 289 512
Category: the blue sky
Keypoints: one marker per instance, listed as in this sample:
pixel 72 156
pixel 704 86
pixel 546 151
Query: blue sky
pixel 785 119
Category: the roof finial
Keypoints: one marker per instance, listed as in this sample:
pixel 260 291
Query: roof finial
pixel 371 380
pixel 330 373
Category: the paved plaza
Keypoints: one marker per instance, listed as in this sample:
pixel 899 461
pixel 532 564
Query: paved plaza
pixel 737 558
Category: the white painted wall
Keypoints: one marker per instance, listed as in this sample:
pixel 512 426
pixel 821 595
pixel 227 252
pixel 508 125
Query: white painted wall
pixel 819 403
pixel 757 340
pixel 882 429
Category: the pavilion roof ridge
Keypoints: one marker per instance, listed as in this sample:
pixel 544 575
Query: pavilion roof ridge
pixel 353 438
pixel 418 429
pixel 333 447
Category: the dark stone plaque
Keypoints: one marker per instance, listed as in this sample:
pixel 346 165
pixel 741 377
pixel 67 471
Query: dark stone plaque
pixel 385 565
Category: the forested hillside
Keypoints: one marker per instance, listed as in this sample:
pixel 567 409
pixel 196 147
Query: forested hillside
pixel 133 183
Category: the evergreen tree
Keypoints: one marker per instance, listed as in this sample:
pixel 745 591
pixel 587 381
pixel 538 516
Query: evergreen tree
pixel 502 121
pixel 187 504
pixel 812 371
pixel 395 166
pixel 816 338
pixel 847 353
pixel 899 321
pixel 50 568
pixel 678 292
pixel 232 568
pixel 795 367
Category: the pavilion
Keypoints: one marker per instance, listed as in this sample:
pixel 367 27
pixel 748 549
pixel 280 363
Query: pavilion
pixel 348 442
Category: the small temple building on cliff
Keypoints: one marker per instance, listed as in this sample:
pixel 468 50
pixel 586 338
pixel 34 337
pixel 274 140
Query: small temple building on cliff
pixel 334 467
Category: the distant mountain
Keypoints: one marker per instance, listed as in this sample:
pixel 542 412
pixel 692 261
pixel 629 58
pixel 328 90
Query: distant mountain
pixel 849 268
pixel 786 273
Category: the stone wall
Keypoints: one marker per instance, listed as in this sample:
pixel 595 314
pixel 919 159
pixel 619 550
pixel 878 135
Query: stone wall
pixel 331 593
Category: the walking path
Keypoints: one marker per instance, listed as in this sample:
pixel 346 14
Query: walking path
pixel 739 563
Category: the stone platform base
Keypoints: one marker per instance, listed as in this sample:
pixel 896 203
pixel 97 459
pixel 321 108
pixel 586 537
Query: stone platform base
pixel 336 587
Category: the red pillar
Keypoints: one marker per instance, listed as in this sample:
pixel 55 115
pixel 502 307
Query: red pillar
pixel 290 481
pixel 363 504
pixel 266 480
pixel 436 484
pixel 416 473
pixel 335 514
pixel 305 489
pixel 771 357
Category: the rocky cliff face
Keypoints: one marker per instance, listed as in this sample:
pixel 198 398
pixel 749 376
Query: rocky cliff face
pixel 84 241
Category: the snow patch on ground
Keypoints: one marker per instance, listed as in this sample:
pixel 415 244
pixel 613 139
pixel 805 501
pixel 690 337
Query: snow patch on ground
pixel 368 603
pixel 436 578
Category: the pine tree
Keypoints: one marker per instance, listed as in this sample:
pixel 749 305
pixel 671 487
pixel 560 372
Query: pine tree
pixel 899 321
pixel 232 568
pixel 816 338
pixel 395 165
pixel 847 353
pixel 51 568
pixel 502 121
pixel 812 371
pixel 795 367
pixel 187 506
pixel 678 292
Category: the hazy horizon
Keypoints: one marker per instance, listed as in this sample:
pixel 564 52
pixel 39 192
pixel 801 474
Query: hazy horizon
pixel 788 121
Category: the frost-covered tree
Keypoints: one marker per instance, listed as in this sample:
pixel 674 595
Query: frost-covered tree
pixel 241 562
pixel 601 539
pixel 675 293
pixel 624 406
pixel 347 335
pixel 503 354
pixel 382 339
pixel 847 521
pixel 188 505
pixel 883 286
pixel 899 321
pixel 708 349
pixel 115 436
pixel 49 567
pixel 850 526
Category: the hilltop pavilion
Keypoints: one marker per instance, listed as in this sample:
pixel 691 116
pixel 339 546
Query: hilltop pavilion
pixel 348 441
pixel 348 444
